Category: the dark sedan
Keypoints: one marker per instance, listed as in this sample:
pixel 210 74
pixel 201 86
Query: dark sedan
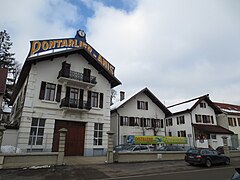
pixel 207 157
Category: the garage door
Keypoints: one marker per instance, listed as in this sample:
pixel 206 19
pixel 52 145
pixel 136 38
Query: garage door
pixel 74 145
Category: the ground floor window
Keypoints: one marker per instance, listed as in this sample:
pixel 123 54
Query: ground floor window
pixel 37 131
pixel 98 134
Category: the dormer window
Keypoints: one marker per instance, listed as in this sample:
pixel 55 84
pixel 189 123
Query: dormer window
pixel 203 105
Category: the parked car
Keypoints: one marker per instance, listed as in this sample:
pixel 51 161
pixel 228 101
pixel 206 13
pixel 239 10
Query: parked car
pixel 170 148
pixel 236 176
pixel 221 150
pixel 207 157
pixel 120 147
pixel 138 148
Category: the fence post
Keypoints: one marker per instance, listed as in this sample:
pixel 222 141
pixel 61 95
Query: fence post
pixel 61 146
pixel 1 135
pixel 110 147
pixel 225 146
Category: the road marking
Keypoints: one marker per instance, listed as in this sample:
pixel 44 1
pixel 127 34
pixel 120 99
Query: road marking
pixel 166 173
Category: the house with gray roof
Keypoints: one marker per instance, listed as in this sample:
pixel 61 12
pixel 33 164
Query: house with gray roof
pixel 196 120
pixel 141 114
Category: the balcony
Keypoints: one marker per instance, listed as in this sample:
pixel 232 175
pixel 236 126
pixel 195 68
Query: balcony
pixel 75 104
pixel 73 77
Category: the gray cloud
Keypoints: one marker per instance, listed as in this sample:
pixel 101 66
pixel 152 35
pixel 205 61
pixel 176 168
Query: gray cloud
pixel 179 49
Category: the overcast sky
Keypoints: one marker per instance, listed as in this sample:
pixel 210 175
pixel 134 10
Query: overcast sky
pixel 179 49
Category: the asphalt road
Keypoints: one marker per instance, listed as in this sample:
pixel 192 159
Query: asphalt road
pixel 147 170
pixel 219 173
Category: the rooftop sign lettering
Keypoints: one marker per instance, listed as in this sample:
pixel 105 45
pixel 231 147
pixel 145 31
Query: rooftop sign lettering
pixel 79 41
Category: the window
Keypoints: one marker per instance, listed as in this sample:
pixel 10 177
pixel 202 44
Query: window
pixel 37 131
pixel 147 122
pixel 136 121
pixel 73 96
pixel 98 134
pixel 169 122
pixel 157 123
pixel 50 91
pixel 47 91
pixel 232 121
pixel 238 121
pixel 169 133
pixel 94 99
pixel 182 133
pixel 213 136
pixel 131 121
pixel 204 117
pixel 180 120
pixel 198 118
pixel 203 105
pixel 123 121
pixel 142 105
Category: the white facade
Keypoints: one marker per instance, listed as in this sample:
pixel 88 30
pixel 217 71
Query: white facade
pixel 33 107
pixel 197 109
pixel 223 120
pixel 129 109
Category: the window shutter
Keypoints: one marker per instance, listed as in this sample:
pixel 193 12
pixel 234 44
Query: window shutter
pixel 81 99
pixel 101 100
pixel 67 97
pixel 121 121
pixel 89 96
pixel 146 103
pixel 161 123
pixel 59 90
pixel 138 104
pixel 42 90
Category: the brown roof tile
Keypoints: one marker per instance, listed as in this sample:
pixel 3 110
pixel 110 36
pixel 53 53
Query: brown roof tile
pixel 212 129
pixel 229 108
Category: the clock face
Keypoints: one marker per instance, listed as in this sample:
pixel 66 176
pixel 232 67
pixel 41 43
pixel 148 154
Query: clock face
pixel 81 33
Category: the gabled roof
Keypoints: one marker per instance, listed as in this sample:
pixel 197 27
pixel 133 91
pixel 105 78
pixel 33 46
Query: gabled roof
pixel 3 79
pixel 212 129
pixel 189 105
pixel 146 91
pixel 229 108
pixel 32 60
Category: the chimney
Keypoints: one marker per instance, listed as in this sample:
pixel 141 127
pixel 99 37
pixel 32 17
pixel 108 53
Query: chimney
pixel 122 95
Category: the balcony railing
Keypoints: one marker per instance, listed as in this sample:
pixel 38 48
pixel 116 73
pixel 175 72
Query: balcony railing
pixel 77 76
pixel 75 103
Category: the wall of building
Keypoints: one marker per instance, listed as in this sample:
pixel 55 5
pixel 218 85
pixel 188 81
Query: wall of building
pixel 49 110
pixel 10 137
pixel 129 109
pixel 204 111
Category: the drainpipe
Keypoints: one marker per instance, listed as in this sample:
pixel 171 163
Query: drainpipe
pixel 118 126
pixel 193 132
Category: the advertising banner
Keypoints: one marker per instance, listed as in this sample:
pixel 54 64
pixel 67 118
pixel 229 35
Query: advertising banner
pixel 132 139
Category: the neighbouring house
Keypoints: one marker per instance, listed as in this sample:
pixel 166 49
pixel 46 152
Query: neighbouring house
pixel 141 114
pixel 71 89
pixel 230 119
pixel 196 120
pixel 3 80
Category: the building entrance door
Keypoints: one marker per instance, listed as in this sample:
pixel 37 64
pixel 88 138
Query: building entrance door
pixel 74 144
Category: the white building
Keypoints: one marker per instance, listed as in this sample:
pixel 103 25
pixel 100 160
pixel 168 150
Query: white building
pixel 230 119
pixel 66 89
pixel 141 114
pixel 196 120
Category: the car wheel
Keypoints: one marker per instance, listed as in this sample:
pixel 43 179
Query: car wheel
pixel 227 161
pixel 208 163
